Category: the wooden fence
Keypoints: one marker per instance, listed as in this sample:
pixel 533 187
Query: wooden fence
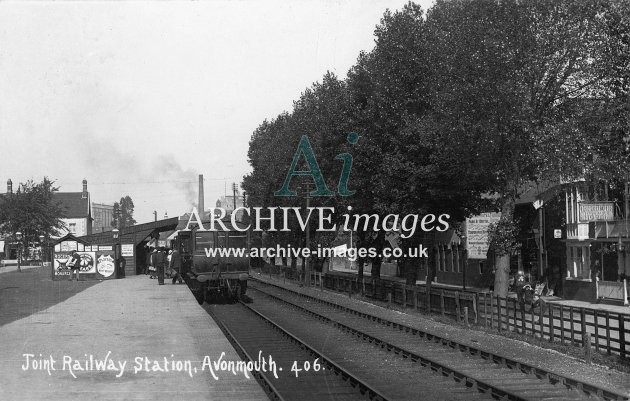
pixel 609 331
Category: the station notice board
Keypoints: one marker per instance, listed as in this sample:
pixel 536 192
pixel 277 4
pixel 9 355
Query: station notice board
pixel 96 263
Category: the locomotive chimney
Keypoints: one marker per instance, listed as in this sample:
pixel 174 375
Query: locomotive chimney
pixel 200 206
pixel 9 186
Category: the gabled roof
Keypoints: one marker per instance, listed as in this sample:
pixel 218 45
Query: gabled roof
pixel 73 204
pixel 70 237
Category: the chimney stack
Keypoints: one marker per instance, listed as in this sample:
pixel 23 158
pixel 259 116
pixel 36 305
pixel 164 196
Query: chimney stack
pixel 9 186
pixel 84 195
pixel 200 205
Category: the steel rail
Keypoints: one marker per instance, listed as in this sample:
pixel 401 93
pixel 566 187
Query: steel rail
pixel 262 379
pixel 364 388
pixel 542 374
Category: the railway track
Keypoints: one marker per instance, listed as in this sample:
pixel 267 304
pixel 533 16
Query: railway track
pixel 487 372
pixel 253 335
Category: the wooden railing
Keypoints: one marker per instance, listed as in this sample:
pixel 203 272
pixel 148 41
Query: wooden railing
pixel 609 332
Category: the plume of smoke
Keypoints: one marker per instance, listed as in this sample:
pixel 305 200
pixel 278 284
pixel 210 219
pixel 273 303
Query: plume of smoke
pixel 183 179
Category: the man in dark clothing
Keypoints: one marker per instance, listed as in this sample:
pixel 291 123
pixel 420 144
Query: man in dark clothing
pixel 176 265
pixel 160 261
pixel 74 262
pixel 122 263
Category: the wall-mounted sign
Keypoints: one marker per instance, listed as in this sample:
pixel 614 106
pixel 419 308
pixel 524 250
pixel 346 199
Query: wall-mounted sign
pixel 557 233
pixel 596 211
pixel 87 262
pixel 60 270
pixel 105 265
pixel 126 250
pixel 477 234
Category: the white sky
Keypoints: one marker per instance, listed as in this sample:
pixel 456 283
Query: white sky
pixel 141 97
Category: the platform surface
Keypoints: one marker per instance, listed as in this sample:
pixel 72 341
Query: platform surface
pixel 122 321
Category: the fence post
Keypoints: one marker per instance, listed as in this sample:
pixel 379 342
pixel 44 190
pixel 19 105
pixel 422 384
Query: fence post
pixel 491 311
pixel 561 324
pixel 523 318
pixel 442 301
pixel 485 309
pixel 466 317
pixel 404 296
pixel 541 320
pixel 596 333
pixel 515 320
pixel 622 335
pixel 572 329
pixel 389 299
pixel 583 324
pixel 608 333
pixel 415 297
pixel 587 348
pixel 499 318
pixel 458 309
pixel 551 324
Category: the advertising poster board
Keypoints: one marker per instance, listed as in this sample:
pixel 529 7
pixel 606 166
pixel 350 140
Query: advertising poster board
pixel 87 265
pixel 60 270
pixel 126 250
pixel 477 234
pixel 105 265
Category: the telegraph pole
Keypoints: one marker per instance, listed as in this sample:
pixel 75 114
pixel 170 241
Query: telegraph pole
pixel 307 267
pixel 234 189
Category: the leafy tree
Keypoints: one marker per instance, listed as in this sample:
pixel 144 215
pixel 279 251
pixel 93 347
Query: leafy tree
pixel 511 81
pixel 32 211
pixel 123 213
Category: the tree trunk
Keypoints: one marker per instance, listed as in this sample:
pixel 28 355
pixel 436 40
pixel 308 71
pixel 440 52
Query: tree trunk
pixel 502 262
pixel 501 275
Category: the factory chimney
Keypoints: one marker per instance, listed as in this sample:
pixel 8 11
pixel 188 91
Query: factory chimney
pixel 200 205
pixel 84 194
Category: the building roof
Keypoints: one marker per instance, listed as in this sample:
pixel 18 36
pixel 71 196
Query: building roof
pixel 73 204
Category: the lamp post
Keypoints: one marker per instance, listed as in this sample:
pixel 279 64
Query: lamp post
pixel 41 248
pixel 18 236
pixel 115 234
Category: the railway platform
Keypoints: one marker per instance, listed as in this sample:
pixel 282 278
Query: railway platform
pixel 526 353
pixel 120 339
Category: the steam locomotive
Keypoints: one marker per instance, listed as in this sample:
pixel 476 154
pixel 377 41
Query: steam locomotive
pixel 211 265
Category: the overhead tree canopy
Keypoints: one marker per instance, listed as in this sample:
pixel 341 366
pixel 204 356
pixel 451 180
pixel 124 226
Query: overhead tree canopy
pixel 122 215
pixel 458 108
pixel 32 211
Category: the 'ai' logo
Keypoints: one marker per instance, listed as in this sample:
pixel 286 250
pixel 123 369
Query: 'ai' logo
pixel 304 147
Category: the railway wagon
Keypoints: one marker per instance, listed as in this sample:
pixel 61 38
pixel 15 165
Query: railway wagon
pixel 211 264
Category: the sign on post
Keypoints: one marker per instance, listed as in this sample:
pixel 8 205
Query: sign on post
pixel 477 234
pixel 597 211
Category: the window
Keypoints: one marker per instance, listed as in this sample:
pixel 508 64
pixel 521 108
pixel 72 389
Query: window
pixel 73 228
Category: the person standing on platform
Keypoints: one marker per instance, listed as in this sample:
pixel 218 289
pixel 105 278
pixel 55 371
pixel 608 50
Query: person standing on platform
pixel 176 265
pixel 75 264
pixel 160 261
pixel 122 263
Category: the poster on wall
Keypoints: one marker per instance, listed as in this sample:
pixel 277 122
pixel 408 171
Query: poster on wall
pixel 126 250
pixel 60 269
pixel 87 262
pixel 105 266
